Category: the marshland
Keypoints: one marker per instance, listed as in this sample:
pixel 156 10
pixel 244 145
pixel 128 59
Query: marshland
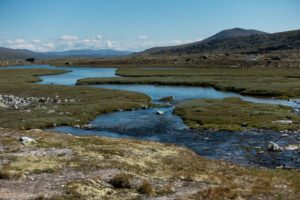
pixel 103 117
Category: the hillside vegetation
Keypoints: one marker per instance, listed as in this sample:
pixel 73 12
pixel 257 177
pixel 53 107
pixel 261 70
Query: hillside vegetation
pixel 236 43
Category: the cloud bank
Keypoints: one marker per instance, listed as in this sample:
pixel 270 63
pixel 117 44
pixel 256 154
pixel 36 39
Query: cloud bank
pixel 73 42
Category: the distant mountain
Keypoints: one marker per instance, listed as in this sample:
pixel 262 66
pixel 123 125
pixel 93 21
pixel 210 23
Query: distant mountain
pixel 89 53
pixel 7 53
pixel 235 40
pixel 230 33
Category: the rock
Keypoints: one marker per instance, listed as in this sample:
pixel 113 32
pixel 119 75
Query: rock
pixel 291 147
pixel 51 111
pixel 168 104
pixel 42 100
pixel 244 124
pixel 272 146
pixel 26 140
pixel 168 98
pixel 37 130
pixel 77 126
pixel 159 112
pixel 2 105
pixel 289 166
pixel 144 107
pixel 87 126
pixel 285 122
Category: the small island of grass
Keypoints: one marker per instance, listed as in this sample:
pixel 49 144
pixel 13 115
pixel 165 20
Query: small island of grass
pixel 233 114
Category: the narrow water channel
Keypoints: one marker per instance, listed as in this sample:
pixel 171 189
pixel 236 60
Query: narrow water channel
pixel 244 148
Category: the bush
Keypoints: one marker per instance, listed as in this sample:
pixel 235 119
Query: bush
pixel 9 174
pixel 121 180
pixel 146 188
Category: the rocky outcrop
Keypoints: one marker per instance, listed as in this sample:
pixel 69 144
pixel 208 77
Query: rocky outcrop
pixel 16 102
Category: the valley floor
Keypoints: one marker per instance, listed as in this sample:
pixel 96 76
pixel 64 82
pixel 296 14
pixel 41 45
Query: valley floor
pixel 61 166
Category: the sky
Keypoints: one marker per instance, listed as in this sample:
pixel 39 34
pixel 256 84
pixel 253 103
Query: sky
pixel 57 25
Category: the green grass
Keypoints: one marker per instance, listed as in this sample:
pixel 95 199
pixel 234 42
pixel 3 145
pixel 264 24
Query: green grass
pixel 89 102
pixel 233 114
pixel 270 82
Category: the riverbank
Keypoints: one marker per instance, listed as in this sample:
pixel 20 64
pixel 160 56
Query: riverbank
pixel 73 106
pixel 265 82
pixel 233 114
pixel 61 166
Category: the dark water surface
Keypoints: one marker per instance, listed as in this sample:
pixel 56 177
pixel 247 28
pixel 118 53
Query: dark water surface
pixel 246 148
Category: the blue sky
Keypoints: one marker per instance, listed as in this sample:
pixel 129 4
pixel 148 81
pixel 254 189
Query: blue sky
pixel 47 25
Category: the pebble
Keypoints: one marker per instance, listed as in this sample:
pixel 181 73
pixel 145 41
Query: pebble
pixel 26 140
pixel 291 147
pixel 17 102
pixel 159 112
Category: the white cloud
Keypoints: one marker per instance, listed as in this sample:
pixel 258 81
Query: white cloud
pixel 20 41
pixel 36 41
pixel 72 42
pixel 69 38
pixel 177 42
pixel 99 37
pixel 34 45
pixel 109 44
pixel 143 37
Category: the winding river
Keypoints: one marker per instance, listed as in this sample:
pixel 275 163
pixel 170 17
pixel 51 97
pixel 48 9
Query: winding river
pixel 239 147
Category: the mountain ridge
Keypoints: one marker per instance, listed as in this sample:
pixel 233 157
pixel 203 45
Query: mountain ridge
pixel 8 53
pixel 254 42
pixel 234 32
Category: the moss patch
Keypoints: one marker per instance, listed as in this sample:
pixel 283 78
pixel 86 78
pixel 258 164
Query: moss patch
pixel 233 114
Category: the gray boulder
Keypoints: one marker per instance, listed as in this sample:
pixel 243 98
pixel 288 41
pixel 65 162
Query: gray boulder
pixel 272 146
pixel 26 140
pixel 159 112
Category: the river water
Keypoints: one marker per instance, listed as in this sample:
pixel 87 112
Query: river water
pixel 245 147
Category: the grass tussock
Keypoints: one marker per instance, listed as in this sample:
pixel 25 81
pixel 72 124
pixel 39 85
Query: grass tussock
pixel 146 188
pixel 121 180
